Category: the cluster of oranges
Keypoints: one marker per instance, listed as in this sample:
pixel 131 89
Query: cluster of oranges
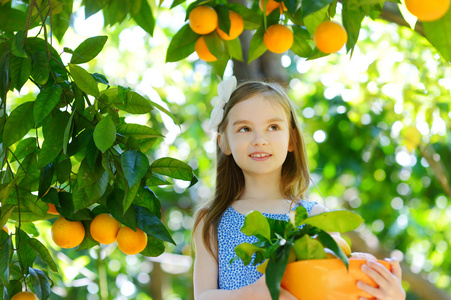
pixel 104 229
pixel 204 20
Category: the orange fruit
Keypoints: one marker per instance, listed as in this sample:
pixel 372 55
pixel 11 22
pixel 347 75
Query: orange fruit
pixel 327 279
pixel 203 19
pixel 278 38
pixel 25 296
pixel 52 209
pixel 202 50
pixel 67 234
pixel 330 36
pixel 131 242
pixel 236 27
pixel 5 229
pixel 427 11
pixel 272 5
pixel 104 229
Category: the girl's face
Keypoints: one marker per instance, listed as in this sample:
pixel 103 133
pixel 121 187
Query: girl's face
pixel 257 136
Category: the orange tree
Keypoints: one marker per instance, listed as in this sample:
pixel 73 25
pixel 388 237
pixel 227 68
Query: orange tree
pixel 73 134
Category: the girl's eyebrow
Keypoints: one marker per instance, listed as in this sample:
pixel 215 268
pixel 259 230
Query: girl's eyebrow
pixel 272 120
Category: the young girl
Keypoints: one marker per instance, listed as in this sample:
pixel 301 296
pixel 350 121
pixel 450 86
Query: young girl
pixel 261 165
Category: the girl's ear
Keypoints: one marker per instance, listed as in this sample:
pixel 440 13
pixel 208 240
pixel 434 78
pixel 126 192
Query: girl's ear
pixel 222 142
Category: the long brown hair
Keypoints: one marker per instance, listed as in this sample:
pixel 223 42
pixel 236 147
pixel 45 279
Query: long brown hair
pixel 229 177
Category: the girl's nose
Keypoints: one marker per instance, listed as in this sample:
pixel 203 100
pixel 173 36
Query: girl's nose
pixel 259 139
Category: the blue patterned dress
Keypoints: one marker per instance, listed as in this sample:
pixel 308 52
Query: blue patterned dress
pixel 236 275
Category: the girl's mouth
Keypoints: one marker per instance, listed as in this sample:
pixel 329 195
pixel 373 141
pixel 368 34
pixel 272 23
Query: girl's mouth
pixel 260 156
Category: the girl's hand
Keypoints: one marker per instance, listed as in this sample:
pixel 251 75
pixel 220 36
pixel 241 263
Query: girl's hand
pixel 261 292
pixel 389 283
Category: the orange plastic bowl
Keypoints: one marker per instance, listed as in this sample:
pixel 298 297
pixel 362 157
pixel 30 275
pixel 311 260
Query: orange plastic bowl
pixel 327 279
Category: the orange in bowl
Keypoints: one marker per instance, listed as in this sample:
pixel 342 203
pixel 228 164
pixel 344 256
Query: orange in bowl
pixel 327 279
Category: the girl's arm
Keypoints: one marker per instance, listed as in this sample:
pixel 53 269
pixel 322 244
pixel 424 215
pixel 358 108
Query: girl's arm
pixel 389 283
pixel 206 278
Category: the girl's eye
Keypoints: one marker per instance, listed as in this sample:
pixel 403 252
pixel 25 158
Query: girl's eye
pixel 273 127
pixel 244 129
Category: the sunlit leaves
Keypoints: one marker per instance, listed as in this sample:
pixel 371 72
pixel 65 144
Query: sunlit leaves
pixel 84 80
pixel 45 102
pixel 182 44
pixel 144 18
pixel 18 123
pixel 134 164
pixel 173 168
pixel 105 134
pixel 440 38
pixel 88 49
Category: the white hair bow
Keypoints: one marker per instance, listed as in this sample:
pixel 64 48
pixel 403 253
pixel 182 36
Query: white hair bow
pixel 225 90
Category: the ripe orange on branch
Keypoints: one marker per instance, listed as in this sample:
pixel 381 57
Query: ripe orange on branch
pixel 25 296
pixel 236 27
pixel 52 209
pixel 330 36
pixel 428 11
pixel 278 38
pixel 104 229
pixel 131 242
pixel 203 19
pixel 67 234
pixel 202 50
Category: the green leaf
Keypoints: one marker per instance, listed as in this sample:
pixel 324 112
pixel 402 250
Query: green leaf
pixel 5 59
pixel 45 102
pixel 68 132
pixel 84 80
pixel 87 176
pixel 63 169
pixel 93 192
pixel 167 112
pixel 17 45
pixel 43 253
pixel 234 49
pixel 53 128
pixel 256 46
pixel 105 134
pixel 335 221
pixel 312 6
pixel 66 208
pixel 135 104
pixel 135 165
pixel 352 21
pixel 18 124
pixel 26 254
pixel 147 198
pixel 5 250
pixel 40 283
pixel 154 247
pixel 130 195
pixel 40 70
pixel 12 19
pixel 137 131
pixel 156 180
pixel 182 44
pixel 45 180
pixel 144 18
pixel 114 204
pixel 300 215
pixel 151 224
pixel 255 223
pixel 173 168
pixel 24 148
pixel 60 22
pixel 330 243
pixel 437 34
pixel 245 251
pixel 308 248
pixel 301 47
pixel 275 270
pixel 88 242
pixel 88 49
pixel 20 71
